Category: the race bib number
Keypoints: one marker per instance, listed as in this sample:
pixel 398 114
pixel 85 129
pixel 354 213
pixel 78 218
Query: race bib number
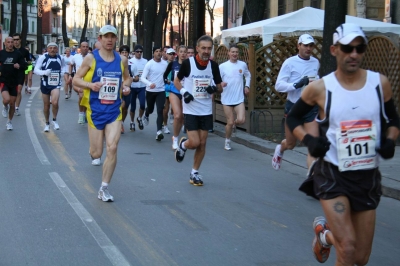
pixel 199 88
pixel 109 92
pixel 54 79
pixel 356 142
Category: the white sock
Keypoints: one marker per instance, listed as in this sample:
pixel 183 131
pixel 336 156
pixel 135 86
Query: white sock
pixel 194 171
pixel 227 140
pixel 183 145
pixel 322 236
pixel 16 107
pixel 104 184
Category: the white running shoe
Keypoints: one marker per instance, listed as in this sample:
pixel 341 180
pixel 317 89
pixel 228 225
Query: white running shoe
pixel 81 119
pixel 277 159
pixel 174 143
pixel 166 130
pixel 171 119
pixel 55 125
pixel 159 135
pixel 46 128
pixel 96 162
pixel 9 126
pixel 104 195
pixel 228 145
pixel 145 120
pixel 5 111
pixel 17 113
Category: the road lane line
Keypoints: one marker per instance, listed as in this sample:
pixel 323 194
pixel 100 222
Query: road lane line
pixel 111 251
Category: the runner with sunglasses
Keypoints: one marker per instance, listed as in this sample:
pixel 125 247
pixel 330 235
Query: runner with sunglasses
pixel 138 89
pixel 358 123
pixel 296 72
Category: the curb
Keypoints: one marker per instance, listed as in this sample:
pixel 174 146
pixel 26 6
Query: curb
pixel 387 191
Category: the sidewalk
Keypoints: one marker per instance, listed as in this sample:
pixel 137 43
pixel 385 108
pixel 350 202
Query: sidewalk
pixel 390 170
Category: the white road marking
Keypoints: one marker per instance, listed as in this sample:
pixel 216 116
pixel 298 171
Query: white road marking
pixel 111 251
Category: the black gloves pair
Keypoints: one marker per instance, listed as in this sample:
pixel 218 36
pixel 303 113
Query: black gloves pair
pixel 317 146
pixel 187 97
pixel 302 82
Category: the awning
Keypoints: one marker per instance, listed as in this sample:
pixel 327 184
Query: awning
pixel 73 42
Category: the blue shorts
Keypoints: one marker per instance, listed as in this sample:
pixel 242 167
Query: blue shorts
pixel 46 90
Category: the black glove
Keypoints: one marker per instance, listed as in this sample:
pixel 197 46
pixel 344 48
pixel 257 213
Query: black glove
pixel 187 97
pixel 387 149
pixel 317 146
pixel 302 82
pixel 211 89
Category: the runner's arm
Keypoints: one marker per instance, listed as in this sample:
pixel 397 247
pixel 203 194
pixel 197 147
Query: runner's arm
pixel 282 84
pixel 37 70
pixel 78 81
pixel 390 110
pixel 143 78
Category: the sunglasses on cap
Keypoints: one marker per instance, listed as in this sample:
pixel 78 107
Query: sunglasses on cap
pixel 138 52
pixel 172 54
pixel 360 49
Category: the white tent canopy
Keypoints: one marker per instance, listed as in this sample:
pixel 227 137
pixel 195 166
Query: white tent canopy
pixel 305 19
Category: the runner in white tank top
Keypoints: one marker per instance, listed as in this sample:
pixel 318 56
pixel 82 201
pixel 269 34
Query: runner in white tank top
pixel 359 123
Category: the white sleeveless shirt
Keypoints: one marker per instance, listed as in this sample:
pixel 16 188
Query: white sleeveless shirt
pixel 196 84
pixel 353 123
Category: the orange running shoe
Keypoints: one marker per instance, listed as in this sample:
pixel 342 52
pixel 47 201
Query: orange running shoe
pixel 320 248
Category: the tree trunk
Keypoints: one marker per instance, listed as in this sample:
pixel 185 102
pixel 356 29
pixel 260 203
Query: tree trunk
pixel 159 22
pixel 183 37
pixel 83 36
pixel 254 11
pixel 64 24
pixel 25 22
pixel 335 14
pixel 139 22
pixel 14 15
pixel 128 18
pixel 171 27
pixel 122 27
pixel 361 8
pixel 149 13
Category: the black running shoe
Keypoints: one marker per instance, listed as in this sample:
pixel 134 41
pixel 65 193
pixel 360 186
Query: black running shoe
pixel 132 126
pixel 179 152
pixel 140 123
pixel 195 179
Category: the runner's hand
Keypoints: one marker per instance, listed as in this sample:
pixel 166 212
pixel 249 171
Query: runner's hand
pixel 387 149
pixel 126 90
pixel 302 82
pixel 187 97
pixel 211 89
pixel 317 146
pixel 47 72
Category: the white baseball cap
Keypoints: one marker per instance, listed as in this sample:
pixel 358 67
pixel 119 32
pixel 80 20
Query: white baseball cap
pixel 52 44
pixel 347 32
pixel 108 29
pixel 306 39
pixel 170 51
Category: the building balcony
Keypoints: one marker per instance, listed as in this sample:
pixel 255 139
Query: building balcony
pixel 55 8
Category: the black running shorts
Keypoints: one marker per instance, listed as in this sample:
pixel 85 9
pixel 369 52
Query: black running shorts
pixel 362 187
pixel 13 91
pixel 198 122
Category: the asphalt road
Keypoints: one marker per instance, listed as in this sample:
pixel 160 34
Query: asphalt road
pixel 245 214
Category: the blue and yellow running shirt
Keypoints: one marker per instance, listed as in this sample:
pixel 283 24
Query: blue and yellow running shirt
pixel 107 109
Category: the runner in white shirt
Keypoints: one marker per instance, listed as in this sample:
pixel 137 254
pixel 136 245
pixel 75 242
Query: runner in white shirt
pixel 296 72
pixel 138 89
pixel 232 98
pixel 155 91
pixel 76 62
pixel 67 74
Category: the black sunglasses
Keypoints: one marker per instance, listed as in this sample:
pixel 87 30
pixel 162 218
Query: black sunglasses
pixel 16 39
pixel 138 51
pixel 360 49
pixel 172 54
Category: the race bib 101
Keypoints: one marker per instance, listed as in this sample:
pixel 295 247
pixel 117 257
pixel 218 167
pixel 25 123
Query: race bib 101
pixel 356 142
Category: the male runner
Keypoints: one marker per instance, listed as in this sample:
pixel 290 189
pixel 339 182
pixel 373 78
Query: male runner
pixel 359 123
pixel 11 73
pixel 232 72
pixel 76 62
pixel 155 91
pixel 198 73
pixel 28 61
pixel 101 77
pixel 138 89
pixel 296 72
pixel 49 66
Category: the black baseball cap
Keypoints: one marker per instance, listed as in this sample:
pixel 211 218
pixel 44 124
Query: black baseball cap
pixel 138 47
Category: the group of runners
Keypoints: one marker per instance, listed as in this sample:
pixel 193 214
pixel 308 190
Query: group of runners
pixel 330 115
